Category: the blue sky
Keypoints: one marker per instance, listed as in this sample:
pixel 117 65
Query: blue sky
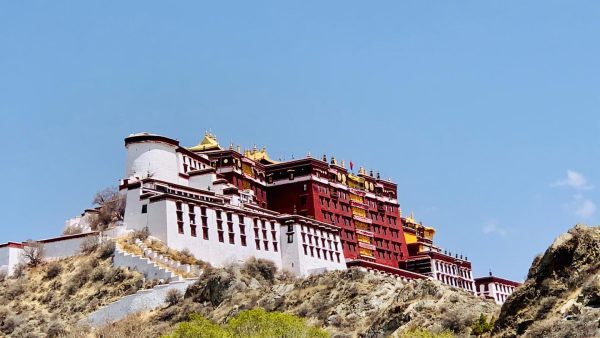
pixel 484 113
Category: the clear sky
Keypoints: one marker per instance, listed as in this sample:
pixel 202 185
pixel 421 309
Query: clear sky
pixel 486 113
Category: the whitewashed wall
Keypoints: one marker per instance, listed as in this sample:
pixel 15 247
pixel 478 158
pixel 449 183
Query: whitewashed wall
pixel 143 300
pixel 62 248
pixel 211 250
pixel 302 264
pixel 157 158
pixel 133 210
pixel 9 258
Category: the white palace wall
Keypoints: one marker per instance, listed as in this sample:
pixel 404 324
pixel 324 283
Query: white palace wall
pixel 212 249
pixel 152 159
pixel 65 246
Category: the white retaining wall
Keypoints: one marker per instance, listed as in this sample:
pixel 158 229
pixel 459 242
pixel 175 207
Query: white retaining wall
pixel 61 248
pixel 143 300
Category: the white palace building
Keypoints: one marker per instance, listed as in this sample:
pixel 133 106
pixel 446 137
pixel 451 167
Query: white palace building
pixel 177 195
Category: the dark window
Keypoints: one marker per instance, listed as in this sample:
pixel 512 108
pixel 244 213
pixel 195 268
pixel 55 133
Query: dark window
pixel 193 230
pixel 144 208
pixel 205 233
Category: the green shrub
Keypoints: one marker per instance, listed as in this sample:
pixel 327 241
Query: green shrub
pixel 425 334
pixel 199 326
pixel 256 323
pixel 260 323
pixel 482 325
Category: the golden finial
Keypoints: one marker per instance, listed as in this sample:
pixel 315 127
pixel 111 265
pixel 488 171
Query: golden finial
pixel 239 149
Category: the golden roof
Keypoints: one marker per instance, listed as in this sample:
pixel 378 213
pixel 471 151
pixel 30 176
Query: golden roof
pixel 209 142
pixel 411 219
pixel 259 156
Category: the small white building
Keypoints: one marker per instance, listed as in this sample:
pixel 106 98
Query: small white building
pixel 179 197
pixel 496 288
pixel 12 253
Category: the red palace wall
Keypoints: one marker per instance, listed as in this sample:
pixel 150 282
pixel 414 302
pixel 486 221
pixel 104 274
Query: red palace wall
pixel 311 188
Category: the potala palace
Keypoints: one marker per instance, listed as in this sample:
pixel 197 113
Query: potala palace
pixel 308 215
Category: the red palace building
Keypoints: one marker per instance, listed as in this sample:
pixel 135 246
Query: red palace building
pixel 364 206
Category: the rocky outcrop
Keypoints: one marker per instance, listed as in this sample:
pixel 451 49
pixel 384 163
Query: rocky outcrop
pixel 561 296
pixel 348 303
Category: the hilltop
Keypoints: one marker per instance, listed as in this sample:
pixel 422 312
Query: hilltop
pixel 561 296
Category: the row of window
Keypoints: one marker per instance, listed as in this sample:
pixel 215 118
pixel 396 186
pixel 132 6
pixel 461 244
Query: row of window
pixel 455 282
pixel 264 240
pixel 319 242
pixel 190 164
pixel 317 232
pixel 326 202
pixel 385 254
pixel 504 288
pixel 452 269
pixel 321 253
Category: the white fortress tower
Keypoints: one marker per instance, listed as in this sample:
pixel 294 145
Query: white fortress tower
pixel 151 156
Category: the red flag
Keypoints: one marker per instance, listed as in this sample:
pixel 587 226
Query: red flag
pixel 351 165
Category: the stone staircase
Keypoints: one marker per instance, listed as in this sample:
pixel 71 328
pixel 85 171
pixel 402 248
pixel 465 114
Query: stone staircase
pixel 165 261
pixel 142 300
pixel 150 269
pixel 153 266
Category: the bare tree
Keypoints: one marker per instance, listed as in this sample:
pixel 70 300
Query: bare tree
pixel 110 206
pixel 33 252
pixel 72 230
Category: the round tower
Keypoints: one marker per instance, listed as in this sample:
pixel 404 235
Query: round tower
pixel 151 156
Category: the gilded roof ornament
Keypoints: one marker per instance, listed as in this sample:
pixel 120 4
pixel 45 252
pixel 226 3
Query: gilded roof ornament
pixel 209 142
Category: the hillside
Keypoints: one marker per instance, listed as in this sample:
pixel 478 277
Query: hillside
pixel 49 299
pixel 52 298
pixel 561 297
pixel 346 303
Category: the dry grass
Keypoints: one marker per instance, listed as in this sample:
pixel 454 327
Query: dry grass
pixel 184 256
pixel 48 300
pixel 132 326
pixel 127 244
